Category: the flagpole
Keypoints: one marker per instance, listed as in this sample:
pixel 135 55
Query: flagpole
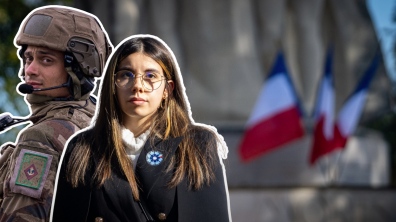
pixel 328 171
pixel 342 164
pixel 337 166
pixel 322 169
pixel 362 85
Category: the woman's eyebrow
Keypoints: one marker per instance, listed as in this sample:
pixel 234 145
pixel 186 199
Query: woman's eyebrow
pixel 152 70
pixel 129 68
pixel 125 68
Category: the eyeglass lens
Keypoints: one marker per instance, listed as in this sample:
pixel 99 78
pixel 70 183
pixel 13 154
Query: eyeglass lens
pixel 150 80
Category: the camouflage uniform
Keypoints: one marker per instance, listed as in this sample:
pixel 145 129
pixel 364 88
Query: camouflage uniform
pixel 28 169
pixel 55 123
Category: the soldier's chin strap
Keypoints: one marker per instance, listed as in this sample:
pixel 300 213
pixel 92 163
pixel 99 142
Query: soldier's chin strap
pixel 80 86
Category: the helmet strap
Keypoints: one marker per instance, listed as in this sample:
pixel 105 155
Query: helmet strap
pixel 75 87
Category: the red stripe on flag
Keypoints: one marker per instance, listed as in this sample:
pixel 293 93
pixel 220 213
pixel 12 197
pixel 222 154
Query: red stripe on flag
pixel 321 146
pixel 271 133
pixel 339 140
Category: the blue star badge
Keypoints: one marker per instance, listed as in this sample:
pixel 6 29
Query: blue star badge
pixel 154 158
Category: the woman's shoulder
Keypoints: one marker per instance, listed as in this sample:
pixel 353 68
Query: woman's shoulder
pixel 79 137
pixel 203 137
pixel 201 133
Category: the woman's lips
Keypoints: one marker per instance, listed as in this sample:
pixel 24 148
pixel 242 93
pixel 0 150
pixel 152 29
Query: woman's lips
pixel 137 101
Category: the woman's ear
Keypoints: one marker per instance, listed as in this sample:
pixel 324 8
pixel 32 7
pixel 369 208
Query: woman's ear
pixel 171 85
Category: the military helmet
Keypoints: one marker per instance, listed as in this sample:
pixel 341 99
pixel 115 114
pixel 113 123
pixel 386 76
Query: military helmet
pixel 77 33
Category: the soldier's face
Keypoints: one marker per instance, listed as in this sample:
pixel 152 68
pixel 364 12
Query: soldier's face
pixel 137 102
pixel 45 68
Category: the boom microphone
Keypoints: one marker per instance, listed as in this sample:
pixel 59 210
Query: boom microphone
pixel 28 89
pixel 25 89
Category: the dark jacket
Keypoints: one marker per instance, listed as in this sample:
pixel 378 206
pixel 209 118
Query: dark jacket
pixel 114 202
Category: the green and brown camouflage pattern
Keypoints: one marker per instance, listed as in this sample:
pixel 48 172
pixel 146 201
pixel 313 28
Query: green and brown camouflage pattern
pixel 5 160
pixel 53 124
pixel 63 29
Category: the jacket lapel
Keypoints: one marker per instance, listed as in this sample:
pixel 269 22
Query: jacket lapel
pixel 152 181
pixel 149 173
pixel 152 175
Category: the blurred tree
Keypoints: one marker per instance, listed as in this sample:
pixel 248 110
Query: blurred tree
pixel 387 123
pixel 12 12
pixel 394 42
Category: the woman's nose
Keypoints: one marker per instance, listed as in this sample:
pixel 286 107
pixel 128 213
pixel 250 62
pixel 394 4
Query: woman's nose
pixel 138 85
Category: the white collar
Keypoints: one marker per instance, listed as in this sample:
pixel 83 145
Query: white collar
pixel 133 144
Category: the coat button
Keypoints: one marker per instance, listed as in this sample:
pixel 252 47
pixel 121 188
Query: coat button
pixel 98 219
pixel 161 216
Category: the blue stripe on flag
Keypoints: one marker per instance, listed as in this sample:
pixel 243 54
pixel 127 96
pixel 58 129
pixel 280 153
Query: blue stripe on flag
pixel 328 73
pixel 329 64
pixel 280 68
pixel 370 72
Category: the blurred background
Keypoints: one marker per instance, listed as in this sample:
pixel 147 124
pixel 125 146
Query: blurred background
pixel 226 49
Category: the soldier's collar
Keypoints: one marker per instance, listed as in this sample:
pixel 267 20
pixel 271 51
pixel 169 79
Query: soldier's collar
pixel 36 99
pixel 41 105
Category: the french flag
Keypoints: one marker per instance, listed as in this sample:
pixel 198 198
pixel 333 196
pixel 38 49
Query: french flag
pixel 350 113
pixel 323 141
pixel 275 119
pixel 348 116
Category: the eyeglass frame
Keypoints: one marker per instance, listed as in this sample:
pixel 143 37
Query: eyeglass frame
pixel 138 75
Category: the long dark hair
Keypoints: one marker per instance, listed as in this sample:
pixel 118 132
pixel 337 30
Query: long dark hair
pixel 193 159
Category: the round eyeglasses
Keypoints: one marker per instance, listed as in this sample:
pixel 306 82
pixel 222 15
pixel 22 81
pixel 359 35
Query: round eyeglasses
pixel 150 80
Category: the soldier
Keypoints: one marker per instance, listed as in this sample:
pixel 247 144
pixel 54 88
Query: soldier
pixel 63 49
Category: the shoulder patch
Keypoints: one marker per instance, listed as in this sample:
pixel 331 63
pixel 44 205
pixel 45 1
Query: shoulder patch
pixel 30 173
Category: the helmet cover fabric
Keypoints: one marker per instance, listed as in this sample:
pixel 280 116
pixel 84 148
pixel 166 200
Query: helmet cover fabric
pixel 55 26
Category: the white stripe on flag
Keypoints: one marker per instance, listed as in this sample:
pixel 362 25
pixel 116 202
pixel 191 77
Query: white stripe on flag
pixel 326 108
pixel 275 96
pixel 350 113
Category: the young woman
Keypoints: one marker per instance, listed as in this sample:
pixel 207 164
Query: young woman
pixel 144 159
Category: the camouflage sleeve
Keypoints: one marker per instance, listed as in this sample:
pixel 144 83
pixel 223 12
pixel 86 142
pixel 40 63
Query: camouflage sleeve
pixel 6 151
pixel 29 182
